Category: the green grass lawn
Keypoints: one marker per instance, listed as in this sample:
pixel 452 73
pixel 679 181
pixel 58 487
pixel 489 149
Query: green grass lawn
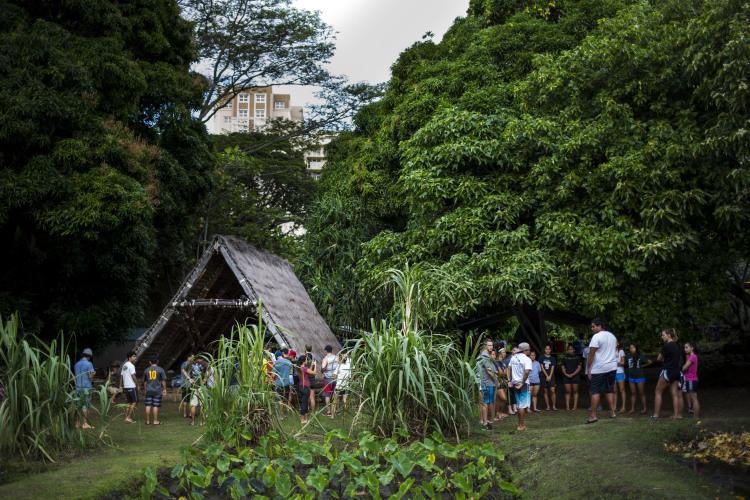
pixel 558 457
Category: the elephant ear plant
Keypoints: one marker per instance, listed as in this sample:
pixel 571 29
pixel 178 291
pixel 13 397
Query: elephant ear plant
pixel 409 379
pixel 241 405
pixel 38 410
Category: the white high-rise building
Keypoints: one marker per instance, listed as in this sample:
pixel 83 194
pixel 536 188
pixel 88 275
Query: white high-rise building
pixel 251 109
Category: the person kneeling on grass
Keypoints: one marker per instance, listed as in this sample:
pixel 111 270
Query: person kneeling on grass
pixel 154 386
pixel 520 367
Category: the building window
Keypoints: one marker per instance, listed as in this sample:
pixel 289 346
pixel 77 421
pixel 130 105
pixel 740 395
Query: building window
pixel 260 113
pixel 244 98
pixel 279 105
pixel 228 104
pixel 260 98
pixel 242 113
pixel 227 119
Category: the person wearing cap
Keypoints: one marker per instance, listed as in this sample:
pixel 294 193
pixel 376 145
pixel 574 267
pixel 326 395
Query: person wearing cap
pixel 84 374
pixel 520 367
pixel 130 386
pixel 154 387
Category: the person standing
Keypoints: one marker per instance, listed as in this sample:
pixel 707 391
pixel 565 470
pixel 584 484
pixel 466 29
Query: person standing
pixel 84 374
pixel 571 370
pixel 185 369
pixel 520 367
pixel 636 361
pixel 282 368
pixel 602 366
pixel 501 391
pixel 671 356
pixel 329 366
pixel 548 364
pixel 690 385
pixel 534 378
pixel 313 372
pixel 154 387
pixel 130 386
pixel 305 373
pixel 620 379
pixel 342 382
pixel 487 383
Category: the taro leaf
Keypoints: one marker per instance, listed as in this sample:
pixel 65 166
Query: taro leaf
pixel 258 485
pixel 509 487
pixel 403 463
pixel 439 482
pixel 223 463
pixel 367 442
pixel 373 484
pixel 303 457
pixel 352 463
pixel 300 483
pixel 336 434
pixel 283 485
pixel 237 490
pixel 462 482
pixel 448 451
pixel 269 477
pixel 386 478
pixel 403 489
pixel 318 479
pixel 177 471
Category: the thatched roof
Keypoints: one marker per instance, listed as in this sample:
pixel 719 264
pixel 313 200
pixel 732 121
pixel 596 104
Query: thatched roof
pixel 226 286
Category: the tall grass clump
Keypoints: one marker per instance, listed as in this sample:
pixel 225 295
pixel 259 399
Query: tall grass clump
pixel 241 406
pixel 38 412
pixel 410 381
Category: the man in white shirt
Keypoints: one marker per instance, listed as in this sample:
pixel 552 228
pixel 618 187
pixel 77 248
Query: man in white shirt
pixel 129 386
pixel 601 367
pixel 520 366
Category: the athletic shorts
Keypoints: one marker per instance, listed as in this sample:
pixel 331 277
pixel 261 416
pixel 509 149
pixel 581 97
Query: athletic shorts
pixel 523 396
pixel 603 383
pixel 131 395
pixel 547 385
pixel 488 394
pixel 670 377
pixel 154 401
pixel 329 387
pixel 690 386
pixel 639 380
pixel 619 377
pixel 533 384
pixel 84 398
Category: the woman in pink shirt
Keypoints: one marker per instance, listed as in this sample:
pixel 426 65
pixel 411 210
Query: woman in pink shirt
pixel 690 384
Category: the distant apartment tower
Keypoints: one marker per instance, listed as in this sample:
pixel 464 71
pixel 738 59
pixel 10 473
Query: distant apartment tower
pixel 251 109
pixel 315 159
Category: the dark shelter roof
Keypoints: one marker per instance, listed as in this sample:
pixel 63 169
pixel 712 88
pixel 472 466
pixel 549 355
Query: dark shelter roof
pixel 227 285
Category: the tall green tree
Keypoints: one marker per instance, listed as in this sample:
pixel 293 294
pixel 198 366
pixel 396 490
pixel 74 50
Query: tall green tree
pixel 559 163
pixel 101 160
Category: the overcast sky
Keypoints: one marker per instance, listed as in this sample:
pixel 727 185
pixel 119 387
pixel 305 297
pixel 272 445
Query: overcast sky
pixel 372 33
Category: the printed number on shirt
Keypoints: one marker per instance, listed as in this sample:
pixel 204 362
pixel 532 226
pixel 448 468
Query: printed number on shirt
pixel 152 375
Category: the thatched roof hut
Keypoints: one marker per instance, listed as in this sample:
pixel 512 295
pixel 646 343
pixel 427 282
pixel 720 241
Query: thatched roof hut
pixel 227 285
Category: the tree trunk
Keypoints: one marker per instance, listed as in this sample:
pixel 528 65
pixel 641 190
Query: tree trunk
pixel 532 326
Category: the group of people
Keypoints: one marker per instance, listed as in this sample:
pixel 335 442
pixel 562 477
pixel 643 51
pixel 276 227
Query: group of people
pixel 299 378
pixel 513 385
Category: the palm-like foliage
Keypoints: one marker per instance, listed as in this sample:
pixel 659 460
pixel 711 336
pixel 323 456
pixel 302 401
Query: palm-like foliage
pixel 241 406
pixel 409 379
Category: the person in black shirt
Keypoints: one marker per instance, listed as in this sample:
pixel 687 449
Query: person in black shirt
pixel 635 362
pixel 548 364
pixel 670 355
pixel 571 370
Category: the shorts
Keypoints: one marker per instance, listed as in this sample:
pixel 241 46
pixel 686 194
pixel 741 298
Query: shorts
pixel 638 380
pixel 154 401
pixel 84 398
pixel 282 391
pixel 670 377
pixel 329 387
pixel 690 386
pixel 523 396
pixel 547 385
pixel 533 384
pixel 572 380
pixel 619 377
pixel 488 394
pixel 131 395
pixel 195 400
pixel 603 383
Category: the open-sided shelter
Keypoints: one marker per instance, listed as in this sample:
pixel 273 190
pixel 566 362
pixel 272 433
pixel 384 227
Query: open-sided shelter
pixel 234 282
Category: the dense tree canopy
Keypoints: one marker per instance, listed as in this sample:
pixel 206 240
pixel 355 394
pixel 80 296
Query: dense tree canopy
pixel 101 160
pixel 586 158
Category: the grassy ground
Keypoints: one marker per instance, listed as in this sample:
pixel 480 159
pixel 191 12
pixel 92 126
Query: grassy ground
pixel 558 457
pixel 97 473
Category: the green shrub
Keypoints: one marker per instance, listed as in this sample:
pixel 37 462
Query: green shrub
pixel 38 412
pixel 408 379
pixel 339 467
pixel 241 406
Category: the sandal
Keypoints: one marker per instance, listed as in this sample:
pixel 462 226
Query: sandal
pixel 592 421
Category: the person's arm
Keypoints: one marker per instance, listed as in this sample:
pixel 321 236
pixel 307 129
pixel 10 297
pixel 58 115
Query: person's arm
pixel 564 370
pixel 163 384
pixel 590 360
pixel 621 360
pixel 552 370
pixel 686 365
pixel 525 377
pixel 578 368
pixel 645 362
pixel 544 372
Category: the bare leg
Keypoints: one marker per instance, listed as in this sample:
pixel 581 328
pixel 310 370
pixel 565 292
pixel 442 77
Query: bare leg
pixel 696 405
pixel 660 386
pixel 521 419
pixel 554 397
pixel 568 390
pixel 611 402
pixel 594 406
pixel 633 391
pixel 676 399
pixel 148 415
pixel 156 415
pixel 575 397
pixel 193 410
pixel 642 392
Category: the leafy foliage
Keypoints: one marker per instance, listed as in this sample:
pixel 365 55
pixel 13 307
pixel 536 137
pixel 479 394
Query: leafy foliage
pixel 102 162
pixel 39 404
pixel 342 467
pixel 727 447
pixel 591 163
pixel 241 406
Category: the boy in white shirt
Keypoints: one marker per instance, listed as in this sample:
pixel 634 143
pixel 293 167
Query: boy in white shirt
pixel 130 386
pixel 520 366
pixel 602 366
